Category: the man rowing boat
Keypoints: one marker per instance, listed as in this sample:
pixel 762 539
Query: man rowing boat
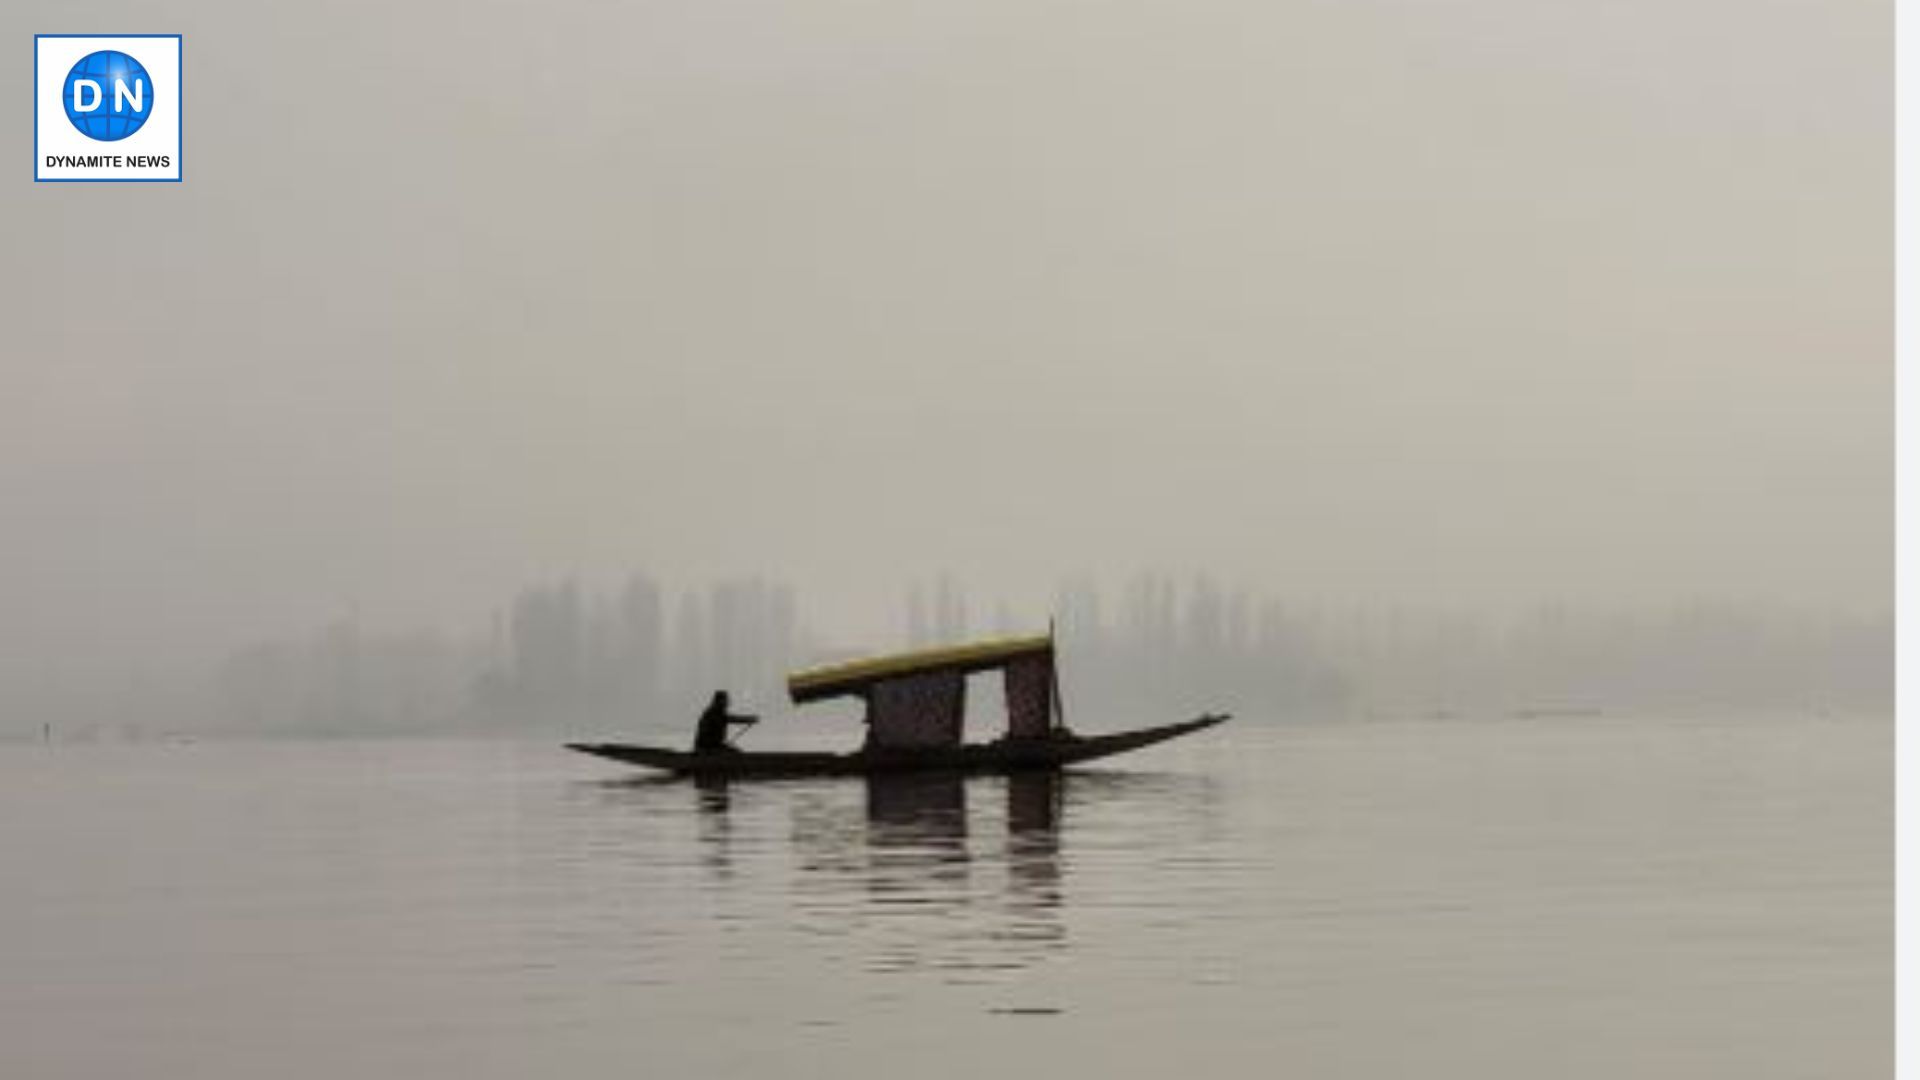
pixel 712 730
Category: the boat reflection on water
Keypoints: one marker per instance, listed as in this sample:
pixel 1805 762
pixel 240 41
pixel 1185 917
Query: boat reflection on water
pixel 1033 837
pixel 943 886
pixel 933 873
pixel 921 822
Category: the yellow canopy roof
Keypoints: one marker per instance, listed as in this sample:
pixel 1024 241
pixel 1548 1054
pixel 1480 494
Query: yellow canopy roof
pixel 853 676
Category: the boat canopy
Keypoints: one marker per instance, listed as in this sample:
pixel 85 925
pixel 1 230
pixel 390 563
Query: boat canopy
pixel 857 677
pixel 917 700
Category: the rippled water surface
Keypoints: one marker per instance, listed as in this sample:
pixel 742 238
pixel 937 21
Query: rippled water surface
pixel 1601 897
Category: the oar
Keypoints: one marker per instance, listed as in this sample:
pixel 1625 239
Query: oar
pixel 743 723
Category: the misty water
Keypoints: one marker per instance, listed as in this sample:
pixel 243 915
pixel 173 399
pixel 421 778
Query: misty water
pixel 1473 896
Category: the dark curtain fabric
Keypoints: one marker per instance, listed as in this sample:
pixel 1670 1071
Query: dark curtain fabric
pixel 1029 697
pixel 918 710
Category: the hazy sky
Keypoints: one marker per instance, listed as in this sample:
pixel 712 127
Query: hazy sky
pixel 1471 304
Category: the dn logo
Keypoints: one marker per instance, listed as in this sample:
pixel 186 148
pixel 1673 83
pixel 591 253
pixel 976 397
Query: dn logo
pixel 108 95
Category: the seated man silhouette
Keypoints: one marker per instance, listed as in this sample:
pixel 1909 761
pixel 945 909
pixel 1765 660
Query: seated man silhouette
pixel 711 734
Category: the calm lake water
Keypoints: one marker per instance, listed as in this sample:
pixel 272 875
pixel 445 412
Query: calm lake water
pixel 1604 897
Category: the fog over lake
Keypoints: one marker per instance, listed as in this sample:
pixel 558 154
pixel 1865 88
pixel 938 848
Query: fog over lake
pixel 1464 311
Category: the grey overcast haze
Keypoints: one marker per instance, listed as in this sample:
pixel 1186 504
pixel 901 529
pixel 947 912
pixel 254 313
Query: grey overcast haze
pixel 1469 306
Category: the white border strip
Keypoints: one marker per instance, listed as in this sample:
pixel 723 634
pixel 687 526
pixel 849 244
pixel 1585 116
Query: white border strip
pixel 1907 323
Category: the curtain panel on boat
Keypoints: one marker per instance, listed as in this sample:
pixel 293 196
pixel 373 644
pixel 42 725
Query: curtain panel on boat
pixel 917 710
pixel 1029 696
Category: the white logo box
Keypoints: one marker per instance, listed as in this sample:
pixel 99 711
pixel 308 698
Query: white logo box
pixel 160 137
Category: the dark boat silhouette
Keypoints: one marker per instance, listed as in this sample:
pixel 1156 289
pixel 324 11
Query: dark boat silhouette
pixel 915 703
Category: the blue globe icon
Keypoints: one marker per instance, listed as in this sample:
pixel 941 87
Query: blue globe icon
pixel 108 95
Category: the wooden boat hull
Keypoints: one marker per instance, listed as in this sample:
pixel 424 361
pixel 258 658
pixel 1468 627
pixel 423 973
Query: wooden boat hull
pixel 1006 755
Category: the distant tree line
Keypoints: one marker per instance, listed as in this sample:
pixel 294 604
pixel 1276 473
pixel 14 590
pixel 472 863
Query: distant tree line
pixel 562 657
pixel 555 657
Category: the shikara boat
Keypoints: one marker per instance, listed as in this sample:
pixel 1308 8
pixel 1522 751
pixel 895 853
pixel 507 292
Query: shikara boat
pixel 915 704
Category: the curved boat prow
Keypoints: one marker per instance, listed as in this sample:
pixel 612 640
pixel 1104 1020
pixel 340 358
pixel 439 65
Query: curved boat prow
pixel 1090 747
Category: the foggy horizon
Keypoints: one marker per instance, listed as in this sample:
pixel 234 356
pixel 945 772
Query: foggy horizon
pixel 566 656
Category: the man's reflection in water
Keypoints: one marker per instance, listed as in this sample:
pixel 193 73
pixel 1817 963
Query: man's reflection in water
pixel 715 799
